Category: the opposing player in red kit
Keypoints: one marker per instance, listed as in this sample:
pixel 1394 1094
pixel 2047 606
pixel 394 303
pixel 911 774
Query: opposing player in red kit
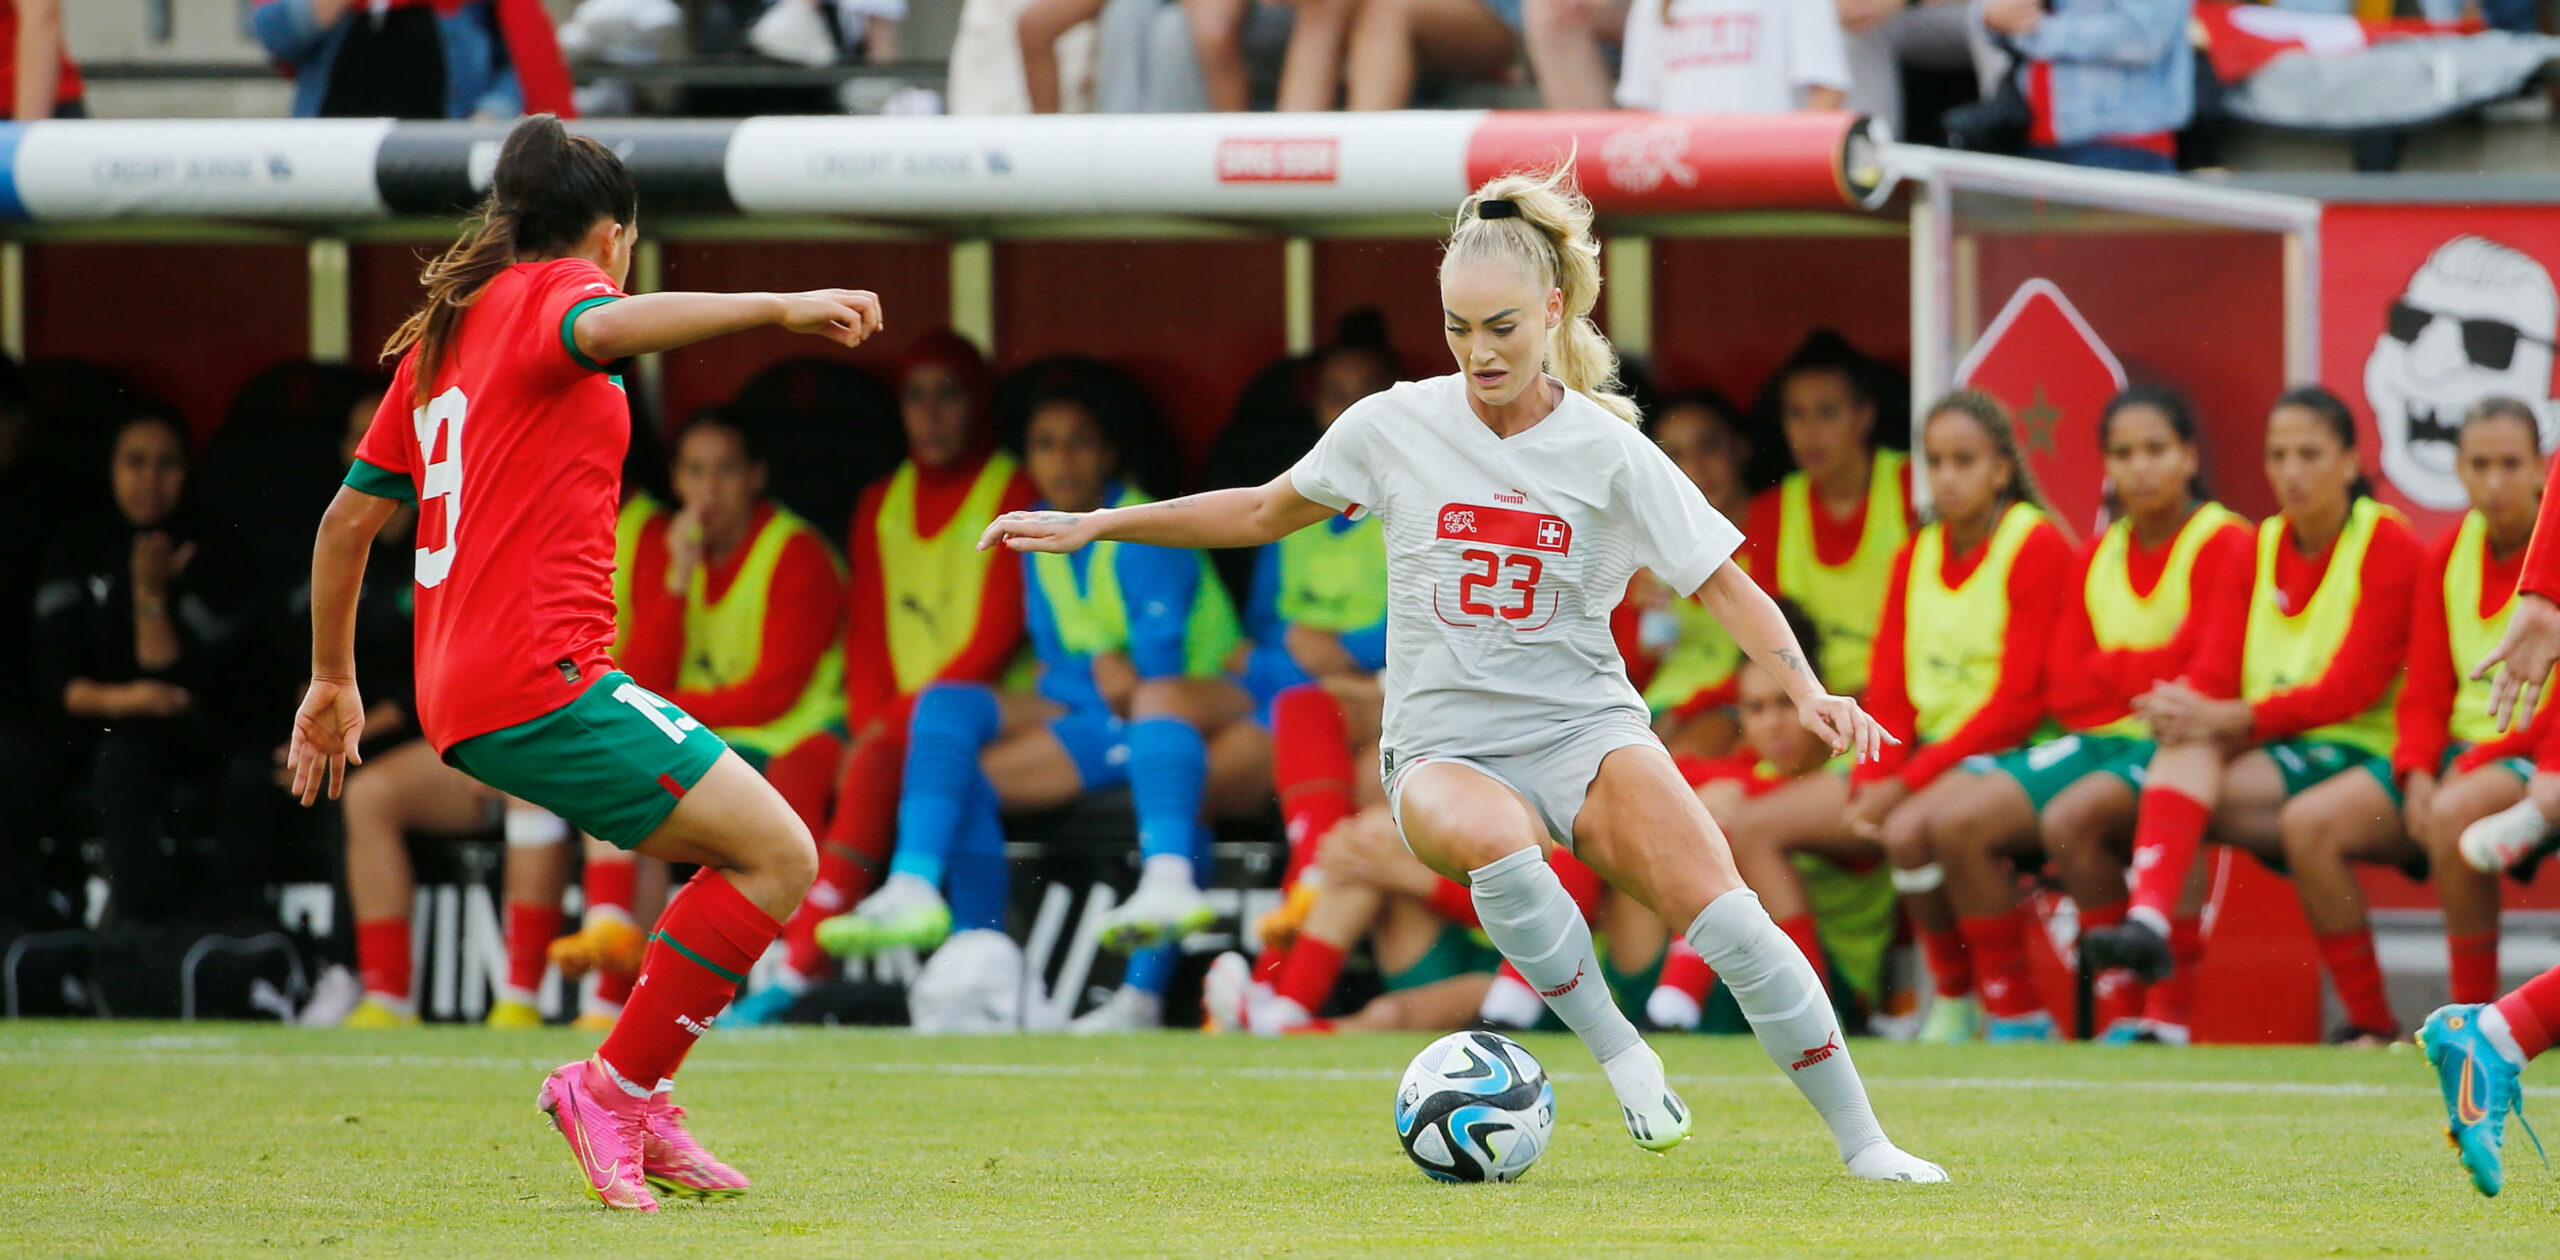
pixel 505 426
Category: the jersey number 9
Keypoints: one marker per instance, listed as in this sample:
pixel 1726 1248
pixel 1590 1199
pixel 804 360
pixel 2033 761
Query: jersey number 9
pixel 439 429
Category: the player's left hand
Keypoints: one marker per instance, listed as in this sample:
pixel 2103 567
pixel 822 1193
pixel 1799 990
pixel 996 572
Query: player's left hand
pixel 1843 726
pixel 2527 651
pixel 325 733
pixel 846 317
pixel 1039 531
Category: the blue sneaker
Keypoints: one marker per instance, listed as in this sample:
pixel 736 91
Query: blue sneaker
pixel 2036 1027
pixel 2129 1032
pixel 2479 1090
pixel 764 1006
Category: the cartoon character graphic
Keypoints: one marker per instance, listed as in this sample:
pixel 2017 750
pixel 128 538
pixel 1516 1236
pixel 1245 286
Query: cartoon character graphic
pixel 2478 318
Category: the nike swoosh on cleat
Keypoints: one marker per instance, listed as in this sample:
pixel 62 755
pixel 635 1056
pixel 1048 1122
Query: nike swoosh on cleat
pixel 2465 1108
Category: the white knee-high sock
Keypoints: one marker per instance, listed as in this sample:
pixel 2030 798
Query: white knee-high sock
pixel 1784 1001
pixel 1533 921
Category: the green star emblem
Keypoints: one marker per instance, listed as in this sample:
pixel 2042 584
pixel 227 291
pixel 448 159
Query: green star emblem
pixel 2038 421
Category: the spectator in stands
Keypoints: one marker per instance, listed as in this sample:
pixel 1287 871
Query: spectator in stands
pixel 43 80
pixel 135 614
pixel 417 59
pixel 1228 40
pixel 1683 56
pixel 1042 24
pixel 1568 49
pixel 926 606
pixel 404 789
pixel 1883 36
pixel 797 31
pixel 1363 54
pixel 2108 83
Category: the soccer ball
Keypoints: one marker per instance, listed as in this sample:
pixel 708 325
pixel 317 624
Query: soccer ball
pixel 1475 1107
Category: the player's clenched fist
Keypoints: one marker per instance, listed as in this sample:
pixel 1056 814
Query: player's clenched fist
pixel 843 316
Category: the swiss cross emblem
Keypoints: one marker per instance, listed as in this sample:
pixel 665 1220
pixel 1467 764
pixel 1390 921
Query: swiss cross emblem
pixel 1551 533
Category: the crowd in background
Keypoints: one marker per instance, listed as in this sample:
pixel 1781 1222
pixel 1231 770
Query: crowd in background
pixel 2111 83
pixel 797 568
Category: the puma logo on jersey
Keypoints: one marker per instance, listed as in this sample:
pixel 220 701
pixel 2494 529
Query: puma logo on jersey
pixel 1817 1054
pixel 1457 521
pixel 1512 497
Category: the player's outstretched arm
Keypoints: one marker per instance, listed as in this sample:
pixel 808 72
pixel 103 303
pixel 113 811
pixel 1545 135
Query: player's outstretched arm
pixel 652 322
pixel 1753 619
pixel 331 720
pixel 1247 516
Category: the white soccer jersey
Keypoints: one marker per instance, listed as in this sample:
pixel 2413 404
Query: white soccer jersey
pixel 1504 557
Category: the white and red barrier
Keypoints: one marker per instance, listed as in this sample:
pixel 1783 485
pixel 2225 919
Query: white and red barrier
pixel 996 167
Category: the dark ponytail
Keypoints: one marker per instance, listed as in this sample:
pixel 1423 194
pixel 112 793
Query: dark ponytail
pixel 549 188
pixel 2333 412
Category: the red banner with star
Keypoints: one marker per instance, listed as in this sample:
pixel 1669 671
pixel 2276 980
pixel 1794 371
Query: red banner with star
pixel 2048 367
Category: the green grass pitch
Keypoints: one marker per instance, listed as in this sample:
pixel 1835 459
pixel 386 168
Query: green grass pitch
pixel 164 1140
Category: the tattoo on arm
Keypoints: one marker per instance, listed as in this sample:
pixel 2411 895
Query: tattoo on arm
pixel 1794 661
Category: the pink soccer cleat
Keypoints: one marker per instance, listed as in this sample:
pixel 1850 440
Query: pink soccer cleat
pixel 676 1164
pixel 607 1131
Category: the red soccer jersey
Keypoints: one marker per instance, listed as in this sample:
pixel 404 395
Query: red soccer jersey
pixel 516 461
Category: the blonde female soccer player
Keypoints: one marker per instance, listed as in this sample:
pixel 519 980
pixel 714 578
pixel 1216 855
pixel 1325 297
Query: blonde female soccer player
pixel 1518 498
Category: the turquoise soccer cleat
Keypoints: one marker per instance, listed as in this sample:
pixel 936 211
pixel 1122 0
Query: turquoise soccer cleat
pixel 2480 1088
pixel 2011 1030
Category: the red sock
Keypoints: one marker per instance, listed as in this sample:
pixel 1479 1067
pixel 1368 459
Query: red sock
pixel 608 884
pixel 2358 978
pixel 382 957
pixel 1310 768
pixel 1684 970
pixel 2166 834
pixel 2172 1001
pixel 1455 902
pixel 705 942
pixel 530 931
pixel 1580 882
pixel 1307 978
pixel 1950 963
pixel 2474 966
pixel 1999 952
pixel 2533 1012
pixel 856 845
pixel 612 989
pixel 1268 963
pixel 1799 928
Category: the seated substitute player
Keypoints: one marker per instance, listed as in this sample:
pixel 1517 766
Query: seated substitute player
pixel 2453 767
pixel 925 606
pixel 1958 670
pixel 2161 593
pixel 1111 631
pixel 1774 750
pixel 736 617
pixel 2328 629
pixel 1510 724
pixel 1693 661
pixel 503 425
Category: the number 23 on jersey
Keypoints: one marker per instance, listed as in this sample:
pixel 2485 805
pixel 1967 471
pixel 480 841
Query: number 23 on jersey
pixel 1502 575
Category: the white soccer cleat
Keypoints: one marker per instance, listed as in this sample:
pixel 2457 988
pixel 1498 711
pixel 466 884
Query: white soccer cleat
pixel 334 998
pixel 1656 1118
pixel 2496 843
pixel 1881 1160
pixel 1126 1010
pixel 1162 910
pixel 1224 991
pixel 794 31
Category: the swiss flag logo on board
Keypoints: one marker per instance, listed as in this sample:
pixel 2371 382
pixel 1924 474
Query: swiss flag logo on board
pixel 2048 367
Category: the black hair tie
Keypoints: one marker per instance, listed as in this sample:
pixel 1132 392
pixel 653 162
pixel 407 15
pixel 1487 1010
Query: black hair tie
pixel 1497 208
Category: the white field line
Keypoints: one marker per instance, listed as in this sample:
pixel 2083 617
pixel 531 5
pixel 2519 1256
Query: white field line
pixel 214 1051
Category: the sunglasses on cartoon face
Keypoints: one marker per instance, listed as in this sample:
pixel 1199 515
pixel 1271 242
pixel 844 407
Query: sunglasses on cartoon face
pixel 2488 343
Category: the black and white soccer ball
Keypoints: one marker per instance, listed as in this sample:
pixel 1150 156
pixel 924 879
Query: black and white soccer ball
pixel 1475 1107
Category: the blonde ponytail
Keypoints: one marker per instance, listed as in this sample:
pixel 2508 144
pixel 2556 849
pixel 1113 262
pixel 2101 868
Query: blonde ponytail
pixel 1550 238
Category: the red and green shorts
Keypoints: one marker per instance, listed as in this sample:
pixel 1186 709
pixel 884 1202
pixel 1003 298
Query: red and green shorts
pixel 614 761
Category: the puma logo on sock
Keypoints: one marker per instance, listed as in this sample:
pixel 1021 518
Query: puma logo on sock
pixel 1565 988
pixel 1816 1054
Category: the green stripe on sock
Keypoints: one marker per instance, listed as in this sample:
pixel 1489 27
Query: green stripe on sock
pixel 705 963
